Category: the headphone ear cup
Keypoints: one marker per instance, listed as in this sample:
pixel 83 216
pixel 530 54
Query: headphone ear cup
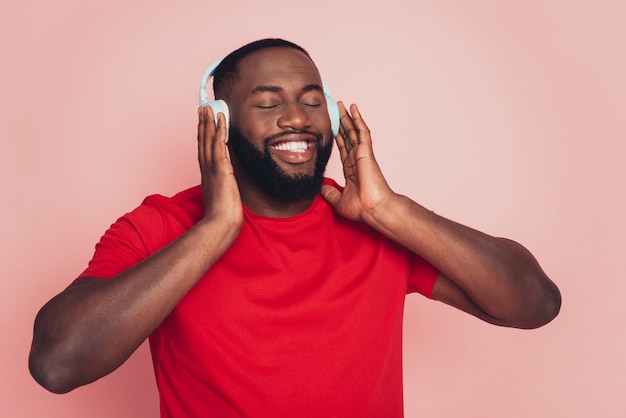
pixel 333 113
pixel 220 106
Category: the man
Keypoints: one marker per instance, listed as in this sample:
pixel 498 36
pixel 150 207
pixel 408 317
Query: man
pixel 269 291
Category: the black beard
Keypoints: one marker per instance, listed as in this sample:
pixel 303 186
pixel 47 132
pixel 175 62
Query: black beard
pixel 270 178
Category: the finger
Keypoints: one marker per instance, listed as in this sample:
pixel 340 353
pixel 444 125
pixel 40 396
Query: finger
pixel 361 129
pixel 201 134
pixel 347 123
pixel 332 195
pixel 206 135
pixel 350 133
pixel 339 139
pixel 219 142
pixel 345 139
pixel 209 121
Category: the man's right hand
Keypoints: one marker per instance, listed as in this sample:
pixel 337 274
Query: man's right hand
pixel 219 186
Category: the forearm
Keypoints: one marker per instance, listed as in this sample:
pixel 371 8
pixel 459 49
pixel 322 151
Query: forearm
pixel 493 278
pixel 498 275
pixel 95 325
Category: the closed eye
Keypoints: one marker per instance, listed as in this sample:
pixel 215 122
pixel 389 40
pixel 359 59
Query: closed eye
pixel 269 106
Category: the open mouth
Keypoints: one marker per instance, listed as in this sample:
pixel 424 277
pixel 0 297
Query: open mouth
pixel 292 146
pixel 295 150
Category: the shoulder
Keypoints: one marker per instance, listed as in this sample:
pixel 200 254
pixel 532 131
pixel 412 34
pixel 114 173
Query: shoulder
pixel 186 197
pixel 187 204
pixel 160 218
pixel 154 223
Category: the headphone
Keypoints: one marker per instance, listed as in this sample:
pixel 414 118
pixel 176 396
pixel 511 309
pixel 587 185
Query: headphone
pixel 220 106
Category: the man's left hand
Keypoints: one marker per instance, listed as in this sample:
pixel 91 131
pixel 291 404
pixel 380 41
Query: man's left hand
pixel 366 192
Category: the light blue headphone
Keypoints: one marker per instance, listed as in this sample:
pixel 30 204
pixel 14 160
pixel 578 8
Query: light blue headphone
pixel 220 106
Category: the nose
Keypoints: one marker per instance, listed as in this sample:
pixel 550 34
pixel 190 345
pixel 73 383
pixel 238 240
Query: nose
pixel 294 116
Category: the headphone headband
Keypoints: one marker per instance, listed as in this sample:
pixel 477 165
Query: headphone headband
pixel 210 72
pixel 219 106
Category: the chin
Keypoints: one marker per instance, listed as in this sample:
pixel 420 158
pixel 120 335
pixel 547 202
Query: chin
pixel 289 184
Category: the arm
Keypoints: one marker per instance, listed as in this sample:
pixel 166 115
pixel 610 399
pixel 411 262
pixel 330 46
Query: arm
pixel 492 278
pixel 94 325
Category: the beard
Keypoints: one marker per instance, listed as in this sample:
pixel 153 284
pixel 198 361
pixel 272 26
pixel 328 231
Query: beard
pixel 273 180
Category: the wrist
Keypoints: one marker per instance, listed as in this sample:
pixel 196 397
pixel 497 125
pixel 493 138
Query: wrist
pixel 387 215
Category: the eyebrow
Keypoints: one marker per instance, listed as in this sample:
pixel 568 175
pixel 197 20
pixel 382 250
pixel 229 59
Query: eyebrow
pixel 276 89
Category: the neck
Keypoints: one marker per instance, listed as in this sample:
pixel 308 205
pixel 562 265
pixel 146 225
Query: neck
pixel 263 205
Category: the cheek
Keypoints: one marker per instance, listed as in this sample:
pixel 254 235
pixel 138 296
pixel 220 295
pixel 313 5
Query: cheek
pixel 255 127
pixel 322 119
pixel 258 132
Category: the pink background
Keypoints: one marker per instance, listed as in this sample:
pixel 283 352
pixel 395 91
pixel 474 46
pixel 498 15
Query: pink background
pixel 504 115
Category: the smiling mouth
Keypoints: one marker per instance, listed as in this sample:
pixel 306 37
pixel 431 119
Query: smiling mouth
pixel 292 146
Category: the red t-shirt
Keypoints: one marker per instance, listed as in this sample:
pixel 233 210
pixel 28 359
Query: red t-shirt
pixel 301 317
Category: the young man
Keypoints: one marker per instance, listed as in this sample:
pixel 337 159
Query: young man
pixel 269 291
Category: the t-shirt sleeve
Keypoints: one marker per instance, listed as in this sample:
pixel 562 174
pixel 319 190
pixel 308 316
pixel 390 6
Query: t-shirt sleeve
pixel 132 238
pixel 422 277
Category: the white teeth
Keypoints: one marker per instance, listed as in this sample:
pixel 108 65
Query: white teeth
pixel 295 146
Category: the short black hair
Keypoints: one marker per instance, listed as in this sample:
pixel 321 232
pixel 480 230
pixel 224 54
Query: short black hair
pixel 226 72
